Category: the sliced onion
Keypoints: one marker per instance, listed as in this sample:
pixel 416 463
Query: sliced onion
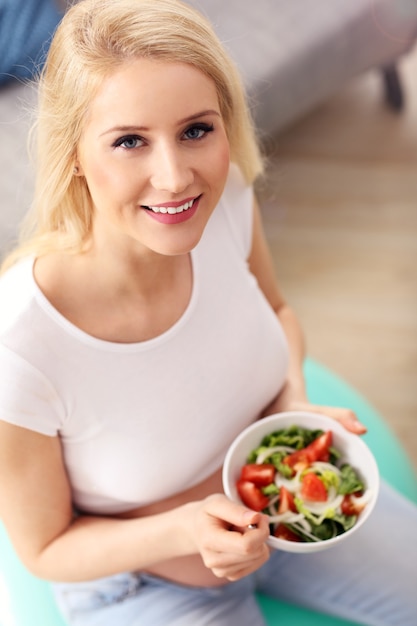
pixel 321 508
pixel 272 503
pixel 304 524
pixel 363 499
pixel 266 453
pixel 323 466
pixel 288 517
pixel 292 484
pixel 300 527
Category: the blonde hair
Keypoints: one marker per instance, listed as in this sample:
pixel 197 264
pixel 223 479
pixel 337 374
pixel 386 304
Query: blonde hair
pixel 94 38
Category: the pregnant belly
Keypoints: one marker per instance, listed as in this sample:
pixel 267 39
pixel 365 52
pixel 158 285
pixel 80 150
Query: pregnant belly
pixel 187 570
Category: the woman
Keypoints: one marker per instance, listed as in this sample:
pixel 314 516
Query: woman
pixel 136 314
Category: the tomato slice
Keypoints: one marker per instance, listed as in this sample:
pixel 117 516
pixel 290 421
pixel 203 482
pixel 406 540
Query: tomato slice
pixel 251 495
pixel 282 532
pixel 350 507
pixel 286 501
pixel 312 488
pixel 317 450
pixel 260 474
pixel 321 445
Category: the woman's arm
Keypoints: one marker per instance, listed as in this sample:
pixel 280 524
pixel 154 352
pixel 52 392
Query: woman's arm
pixel 36 508
pixel 293 396
pixel 261 265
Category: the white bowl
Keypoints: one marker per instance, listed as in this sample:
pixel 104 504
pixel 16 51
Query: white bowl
pixel 353 451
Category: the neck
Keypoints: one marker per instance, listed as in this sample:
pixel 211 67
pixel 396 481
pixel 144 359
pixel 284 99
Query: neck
pixel 133 272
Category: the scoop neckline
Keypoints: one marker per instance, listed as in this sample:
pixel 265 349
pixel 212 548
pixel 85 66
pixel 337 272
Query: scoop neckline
pixel 77 333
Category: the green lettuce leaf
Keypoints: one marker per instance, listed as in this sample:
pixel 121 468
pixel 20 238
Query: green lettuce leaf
pixel 293 436
pixel 350 481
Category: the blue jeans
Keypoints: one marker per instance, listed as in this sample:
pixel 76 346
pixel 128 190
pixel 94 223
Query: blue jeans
pixel 370 579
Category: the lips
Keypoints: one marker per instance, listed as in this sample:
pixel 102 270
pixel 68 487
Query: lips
pixel 175 213
pixel 172 210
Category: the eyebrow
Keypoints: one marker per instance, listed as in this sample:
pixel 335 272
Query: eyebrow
pixel 132 128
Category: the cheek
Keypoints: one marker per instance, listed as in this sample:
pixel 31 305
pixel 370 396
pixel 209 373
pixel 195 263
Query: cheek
pixel 99 174
pixel 224 158
pixel 104 176
pixel 106 181
pixel 97 179
pixel 219 165
pixel 94 170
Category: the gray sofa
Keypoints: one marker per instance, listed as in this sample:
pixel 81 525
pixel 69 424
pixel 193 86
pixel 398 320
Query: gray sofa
pixel 294 54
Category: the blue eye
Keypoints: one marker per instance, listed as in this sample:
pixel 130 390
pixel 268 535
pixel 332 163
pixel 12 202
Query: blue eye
pixel 198 131
pixel 129 142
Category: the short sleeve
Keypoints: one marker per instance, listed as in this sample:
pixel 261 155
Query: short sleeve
pixel 27 398
pixel 238 203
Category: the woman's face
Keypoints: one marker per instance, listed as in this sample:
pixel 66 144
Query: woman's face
pixel 155 156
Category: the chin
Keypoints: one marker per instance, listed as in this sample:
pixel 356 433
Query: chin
pixel 177 249
pixel 174 244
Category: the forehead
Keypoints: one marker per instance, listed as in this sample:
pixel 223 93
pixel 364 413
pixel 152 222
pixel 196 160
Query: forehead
pixel 151 89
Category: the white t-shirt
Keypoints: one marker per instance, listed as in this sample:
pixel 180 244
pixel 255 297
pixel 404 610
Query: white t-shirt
pixel 140 422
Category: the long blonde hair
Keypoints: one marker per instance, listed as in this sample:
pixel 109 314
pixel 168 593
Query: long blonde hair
pixel 94 38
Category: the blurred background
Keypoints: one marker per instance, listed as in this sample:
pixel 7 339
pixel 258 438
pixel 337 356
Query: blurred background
pixel 333 87
pixel 340 212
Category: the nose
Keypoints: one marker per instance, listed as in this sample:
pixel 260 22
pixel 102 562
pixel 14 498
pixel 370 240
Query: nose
pixel 171 169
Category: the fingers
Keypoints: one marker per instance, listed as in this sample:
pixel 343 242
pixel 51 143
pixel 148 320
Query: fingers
pixel 230 569
pixel 235 514
pixel 228 524
pixel 353 425
pixel 346 417
pixel 227 546
pixel 247 554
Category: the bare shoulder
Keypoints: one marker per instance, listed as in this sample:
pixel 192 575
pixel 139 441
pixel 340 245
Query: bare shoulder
pixel 64 281
pixel 52 271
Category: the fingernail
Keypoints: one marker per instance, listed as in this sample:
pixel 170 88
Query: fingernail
pixel 360 428
pixel 248 517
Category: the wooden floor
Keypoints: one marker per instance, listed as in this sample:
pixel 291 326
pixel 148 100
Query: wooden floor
pixel 340 212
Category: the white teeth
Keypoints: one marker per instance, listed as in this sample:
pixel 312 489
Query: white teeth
pixel 171 209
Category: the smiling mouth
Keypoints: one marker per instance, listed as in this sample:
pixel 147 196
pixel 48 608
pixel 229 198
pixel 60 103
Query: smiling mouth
pixel 172 210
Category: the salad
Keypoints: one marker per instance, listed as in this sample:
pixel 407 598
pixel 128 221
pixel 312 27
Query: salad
pixel 297 478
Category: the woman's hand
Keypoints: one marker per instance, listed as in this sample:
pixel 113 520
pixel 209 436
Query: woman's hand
pixel 290 399
pixel 219 531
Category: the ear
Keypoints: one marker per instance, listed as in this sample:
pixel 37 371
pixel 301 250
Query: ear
pixel 77 170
